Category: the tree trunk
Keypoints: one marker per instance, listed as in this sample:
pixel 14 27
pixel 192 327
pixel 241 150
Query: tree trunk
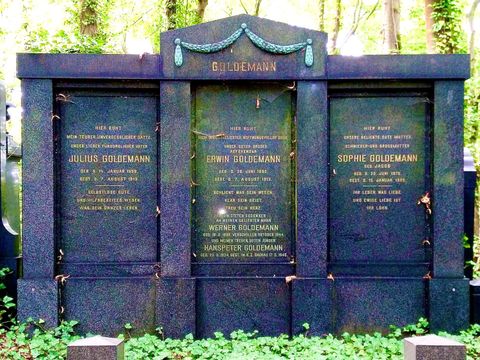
pixel 359 15
pixel 429 26
pixel 336 27
pixel 257 7
pixel 392 26
pixel 256 11
pixel 471 42
pixel 321 17
pixel 202 5
pixel 171 12
pixel 88 17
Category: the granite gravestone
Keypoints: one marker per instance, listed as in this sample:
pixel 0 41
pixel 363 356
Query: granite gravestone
pixel 243 179
pixel 433 347
pixel 96 348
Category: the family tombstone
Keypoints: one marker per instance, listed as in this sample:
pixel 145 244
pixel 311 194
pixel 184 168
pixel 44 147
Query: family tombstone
pixel 243 179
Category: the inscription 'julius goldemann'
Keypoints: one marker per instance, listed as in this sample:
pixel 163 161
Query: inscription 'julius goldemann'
pixel 109 158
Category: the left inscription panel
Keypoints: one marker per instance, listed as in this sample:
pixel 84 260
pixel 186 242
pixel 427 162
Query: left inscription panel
pixel 108 177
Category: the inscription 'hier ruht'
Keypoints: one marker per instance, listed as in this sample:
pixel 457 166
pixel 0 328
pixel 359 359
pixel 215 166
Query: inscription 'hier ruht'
pixel 242 189
pixel 377 159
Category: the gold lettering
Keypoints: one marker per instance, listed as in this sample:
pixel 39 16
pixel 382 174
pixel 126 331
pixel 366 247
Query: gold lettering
pixel 258 227
pixel 222 227
pixel 218 158
pixel 126 158
pixel 261 247
pixel 377 158
pixel 83 158
pixel 256 158
pixel 351 158
pixel 393 158
pixel 244 66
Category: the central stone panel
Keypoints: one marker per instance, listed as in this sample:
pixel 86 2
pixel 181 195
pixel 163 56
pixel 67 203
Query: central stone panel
pixel 243 173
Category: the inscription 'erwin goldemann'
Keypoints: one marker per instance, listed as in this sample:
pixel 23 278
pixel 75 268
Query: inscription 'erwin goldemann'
pixel 243 185
pixel 244 158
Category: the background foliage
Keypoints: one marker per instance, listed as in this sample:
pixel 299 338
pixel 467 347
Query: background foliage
pixel 32 340
pixel 17 344
pixel 354 26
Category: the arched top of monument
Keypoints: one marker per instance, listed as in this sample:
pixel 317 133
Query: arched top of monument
pixel 243 47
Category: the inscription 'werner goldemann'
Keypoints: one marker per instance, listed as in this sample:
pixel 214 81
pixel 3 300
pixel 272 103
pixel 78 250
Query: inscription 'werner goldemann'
pixel 243 207
pixel 242 185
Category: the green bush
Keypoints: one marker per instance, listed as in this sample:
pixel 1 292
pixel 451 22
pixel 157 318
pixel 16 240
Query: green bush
pixel 32 340
pixel 20 342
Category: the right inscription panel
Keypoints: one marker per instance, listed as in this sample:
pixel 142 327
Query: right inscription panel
pixel 377 173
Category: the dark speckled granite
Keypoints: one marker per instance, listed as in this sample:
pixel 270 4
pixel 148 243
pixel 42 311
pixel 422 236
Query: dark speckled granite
pixel 228 304
pixel 38 203
pixel 38 299
pixel 88 66
pixel 96 348
pixel 312 304
pixel 452 66
pixel 433 347
pixel 356 304
pixel 175 230
pixel 449 304
pixel 312 178
pixel 112 236
pixel 175 306
pixel 372 304
pixel 104 305
pixel 359 234
pixel 448 179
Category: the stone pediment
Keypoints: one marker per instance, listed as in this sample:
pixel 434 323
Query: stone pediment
pixel 243 47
